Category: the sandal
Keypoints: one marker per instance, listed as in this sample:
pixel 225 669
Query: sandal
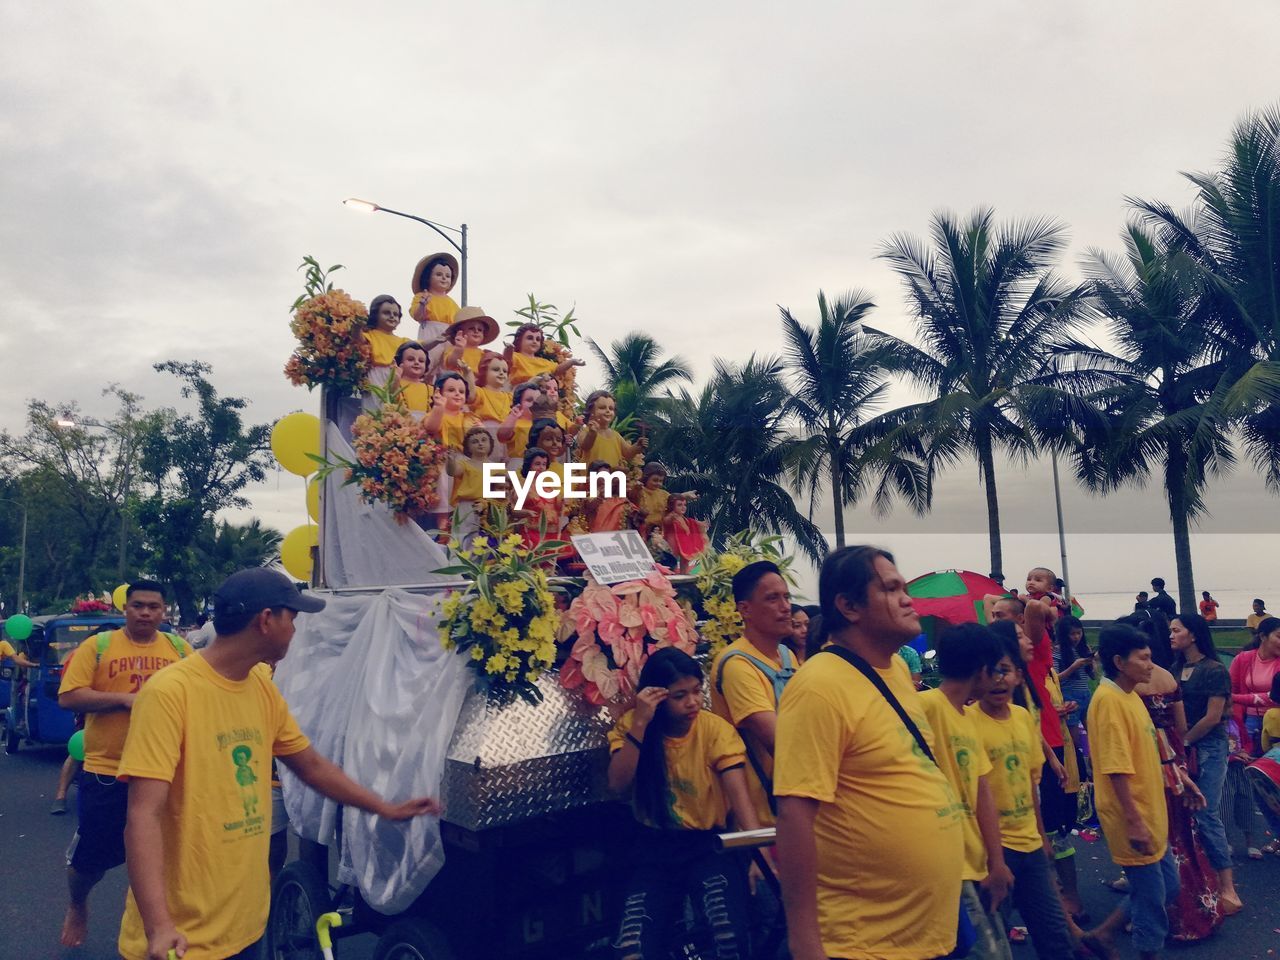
pixel 1255 853
pixel 1273 848
pixel 1017 934
pixel 1119 885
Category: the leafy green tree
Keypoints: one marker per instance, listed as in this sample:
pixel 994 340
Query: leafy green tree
pixel 635 373
pixel 990 316
pixel 1232 237
pixel 731 444
pixel 195 465
pixel 838 383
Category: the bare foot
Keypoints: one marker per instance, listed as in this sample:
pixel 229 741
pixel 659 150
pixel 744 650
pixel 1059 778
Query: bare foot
pixel 76 926
pixel 1230 905
pixel 1099 945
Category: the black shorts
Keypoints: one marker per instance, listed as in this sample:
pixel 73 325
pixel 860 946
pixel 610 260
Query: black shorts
pixel 99 841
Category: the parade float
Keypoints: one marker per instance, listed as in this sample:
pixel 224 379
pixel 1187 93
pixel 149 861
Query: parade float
pixel 473 649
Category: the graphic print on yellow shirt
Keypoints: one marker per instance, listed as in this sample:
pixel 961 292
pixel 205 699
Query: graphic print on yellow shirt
pixel 123 668
pixel 1013 747
pixel 963 759
pixel 746 691
pixel 695 761
pixel 883 894
pixel 211 739
pixel 1122 739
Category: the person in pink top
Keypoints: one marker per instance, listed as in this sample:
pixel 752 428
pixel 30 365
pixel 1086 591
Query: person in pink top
pixel 1252 673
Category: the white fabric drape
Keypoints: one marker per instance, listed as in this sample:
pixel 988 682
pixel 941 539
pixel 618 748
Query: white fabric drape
pixel 371 686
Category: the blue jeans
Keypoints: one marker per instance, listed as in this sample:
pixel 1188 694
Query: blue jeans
pixel 1211 774
pixel 1037 900
pixel 1151 888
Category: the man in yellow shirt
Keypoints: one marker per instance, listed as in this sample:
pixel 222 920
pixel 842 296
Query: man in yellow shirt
pixel 748 676
pixel 1259 614
pixel 198 766
pixel 968 655
pixel 870 835
pixel 1129 791
pixel 102 681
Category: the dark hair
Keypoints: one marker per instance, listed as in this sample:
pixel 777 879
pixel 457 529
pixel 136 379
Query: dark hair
pixel 1198 627
pixel 593 396
pixel 453 375
pixel 816 637
pixel 650 469
pixel 595 465
pixel 1275 688
pixel 796 608
pixel 406 347
pixel 966 649
pixel 1156 629
pixel 1157 583
pixel 151 586
pixel 424 278
pixel 1018 602
pixel 1267 625
pixel 1143 593
pixel 1261 601
pixel 1059 583
pixel 1205 594
pixel 529 454
pixel 1007 634
pixel 536 428
pixel 521 390
pixel 475 432
pixel 847 573
pixel 375 305
pixel 1062 636
pixel 1119 640
pixel 745 580
pixel 663 668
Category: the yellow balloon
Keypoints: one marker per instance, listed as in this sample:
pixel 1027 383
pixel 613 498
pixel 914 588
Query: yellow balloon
pixel 295 551
pixel 118 596
pixel 292 438
pixel 313 499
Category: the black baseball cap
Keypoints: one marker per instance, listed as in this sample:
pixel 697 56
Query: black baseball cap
pixel 248 591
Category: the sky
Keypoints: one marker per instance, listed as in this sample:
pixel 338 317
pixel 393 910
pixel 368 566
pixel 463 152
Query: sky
pixel 680 169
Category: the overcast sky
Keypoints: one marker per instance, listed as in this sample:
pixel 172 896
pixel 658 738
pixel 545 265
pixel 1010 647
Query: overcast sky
pixel 675 168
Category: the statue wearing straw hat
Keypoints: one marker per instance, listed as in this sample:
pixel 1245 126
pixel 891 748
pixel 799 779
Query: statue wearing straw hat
pixel 433 280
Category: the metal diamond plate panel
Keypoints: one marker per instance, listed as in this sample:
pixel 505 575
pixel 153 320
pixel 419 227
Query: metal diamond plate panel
pixel 519 761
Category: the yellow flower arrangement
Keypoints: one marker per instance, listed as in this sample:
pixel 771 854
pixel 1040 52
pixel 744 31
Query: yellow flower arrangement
pixel 505 620
pixel 397 461
pixel 722 624
pixel 329 326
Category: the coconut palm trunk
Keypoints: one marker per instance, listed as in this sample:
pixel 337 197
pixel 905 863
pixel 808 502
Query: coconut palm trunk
pixel 986 459
pixel 1180 517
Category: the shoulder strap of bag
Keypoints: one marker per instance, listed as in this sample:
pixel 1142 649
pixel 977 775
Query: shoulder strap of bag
pixel 877 681
pixel 777 677
pixel 103 641
pixel 179 645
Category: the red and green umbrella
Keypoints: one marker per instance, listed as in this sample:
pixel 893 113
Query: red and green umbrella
pixel 954 596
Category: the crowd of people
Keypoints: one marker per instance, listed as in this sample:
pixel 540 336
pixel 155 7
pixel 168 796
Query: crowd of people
pixel 911 824
pixel 817 725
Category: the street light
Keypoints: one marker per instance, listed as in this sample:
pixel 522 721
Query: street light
pixel 368 206
pixel 22 556
pixel 66 423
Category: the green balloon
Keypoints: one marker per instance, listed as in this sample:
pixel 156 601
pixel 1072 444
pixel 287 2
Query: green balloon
pixel 75 746
pixel 18 626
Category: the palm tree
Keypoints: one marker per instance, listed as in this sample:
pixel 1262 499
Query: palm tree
pixel 731 445
pixel 1232 235
pixel 991 317
pixel 1154 304
pixel 634 374
pixel 837 381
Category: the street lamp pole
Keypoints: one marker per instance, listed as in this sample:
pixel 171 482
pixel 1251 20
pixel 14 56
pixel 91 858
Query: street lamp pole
pixel 370 207
pixel 22 554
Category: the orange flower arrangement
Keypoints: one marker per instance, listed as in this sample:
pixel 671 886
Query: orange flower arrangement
pixel 329 325
pixel 397 462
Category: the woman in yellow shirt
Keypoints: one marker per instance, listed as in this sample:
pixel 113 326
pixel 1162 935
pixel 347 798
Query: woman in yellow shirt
pixel 1011 737
pixel 384 317
pixel 684 769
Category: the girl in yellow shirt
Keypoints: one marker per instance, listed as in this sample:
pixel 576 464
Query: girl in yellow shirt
pixel 1011 737
pixel 492 399
pixel 684 769
pixel 410 383
pixel 523 356
pixel 598 440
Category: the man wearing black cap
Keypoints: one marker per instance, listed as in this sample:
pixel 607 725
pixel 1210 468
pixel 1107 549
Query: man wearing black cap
pixel 198 761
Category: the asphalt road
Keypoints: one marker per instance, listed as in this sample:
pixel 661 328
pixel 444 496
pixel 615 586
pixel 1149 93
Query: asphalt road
pixel 33 886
